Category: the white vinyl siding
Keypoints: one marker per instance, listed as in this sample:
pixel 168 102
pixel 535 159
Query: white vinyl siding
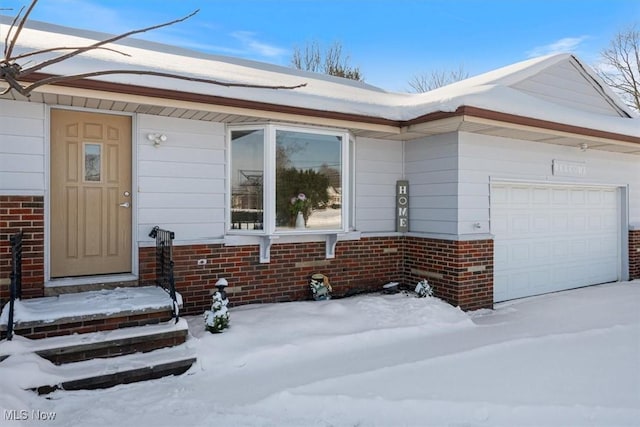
pixel 432 171
pixel 22 136
pixel 378 166
pixel 564 84
pixel 181 183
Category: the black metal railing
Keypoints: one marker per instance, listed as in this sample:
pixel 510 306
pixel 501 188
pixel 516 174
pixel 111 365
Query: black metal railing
pixel 164 264
pixel 15 287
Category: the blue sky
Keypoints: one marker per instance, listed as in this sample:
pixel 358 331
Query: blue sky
pixel 390 41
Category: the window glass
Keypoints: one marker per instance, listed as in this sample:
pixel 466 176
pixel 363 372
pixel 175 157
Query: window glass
pixel 92 162
pixel 308 181
pixel 247 172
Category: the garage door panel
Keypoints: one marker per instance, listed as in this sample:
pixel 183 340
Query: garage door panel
pixel 560 223
pixel 560 197
pixel 595 197
pixel 560 250
pixel 610 196
pixel 499 195
pixel 540 251
pixel 500 223
pixel 578 248
pixel 578 198
pixel 540 196
pixel 501 253
pixel 609 222
pixel 578 223
pixel 519 196
pixel 550 238
pixel 519 253
pixel 540 222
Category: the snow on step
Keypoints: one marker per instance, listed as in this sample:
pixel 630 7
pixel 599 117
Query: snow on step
pixel 21 345
pixel 103 302
pixel 30 371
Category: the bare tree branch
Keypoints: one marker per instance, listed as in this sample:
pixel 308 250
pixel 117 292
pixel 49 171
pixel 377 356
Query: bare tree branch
pixel 58 79
pixel 8 50
pixel 620 68
pixel 55 49
pixel 437 78
pixel 12 72
pixel 103 42
pixel 332 62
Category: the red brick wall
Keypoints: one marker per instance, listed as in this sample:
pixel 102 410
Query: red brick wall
pixel 634 254
pixel 24 213
pixel 461 272
pixel 362 265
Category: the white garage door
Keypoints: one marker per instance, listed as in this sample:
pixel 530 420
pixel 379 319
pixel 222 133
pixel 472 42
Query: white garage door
pixel 550 238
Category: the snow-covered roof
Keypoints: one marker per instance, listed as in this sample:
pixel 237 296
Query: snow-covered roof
pixel 503 90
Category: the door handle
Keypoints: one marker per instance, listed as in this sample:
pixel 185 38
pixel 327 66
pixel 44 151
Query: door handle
pixel 125 205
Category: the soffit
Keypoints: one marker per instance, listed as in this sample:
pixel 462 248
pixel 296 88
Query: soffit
pixel 434 124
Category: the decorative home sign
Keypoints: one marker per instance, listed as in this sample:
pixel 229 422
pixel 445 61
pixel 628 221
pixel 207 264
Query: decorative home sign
pixel 402 206
pixel 564 168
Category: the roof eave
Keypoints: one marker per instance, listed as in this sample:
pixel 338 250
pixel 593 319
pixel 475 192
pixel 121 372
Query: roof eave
pixel 401 125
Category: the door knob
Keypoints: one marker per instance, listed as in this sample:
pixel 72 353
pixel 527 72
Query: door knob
pixel 125 204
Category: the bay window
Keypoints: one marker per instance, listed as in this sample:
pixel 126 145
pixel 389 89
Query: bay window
pixel 287 179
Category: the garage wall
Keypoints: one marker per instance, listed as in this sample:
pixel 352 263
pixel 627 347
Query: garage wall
pixel 22 149
pixel 378 165
pixel 181 183
pixel 431 166
pixel 483 157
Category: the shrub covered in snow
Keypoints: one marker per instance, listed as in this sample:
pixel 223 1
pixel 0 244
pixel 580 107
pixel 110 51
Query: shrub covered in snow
pixel 424 289
pixel 217 319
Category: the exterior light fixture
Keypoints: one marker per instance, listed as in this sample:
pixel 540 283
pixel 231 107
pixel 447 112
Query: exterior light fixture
pixel 157 138
pixel 584 146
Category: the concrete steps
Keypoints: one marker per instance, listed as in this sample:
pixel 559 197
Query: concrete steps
pixel 96 339
pixel 45 377
pixel 90 311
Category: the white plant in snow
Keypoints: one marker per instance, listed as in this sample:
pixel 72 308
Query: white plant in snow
pixel 424 289
pixel 217 319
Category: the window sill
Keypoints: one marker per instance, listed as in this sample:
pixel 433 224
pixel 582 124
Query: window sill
pixel 265 241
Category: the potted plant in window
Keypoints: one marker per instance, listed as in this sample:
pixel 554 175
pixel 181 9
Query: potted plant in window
pixel 299 206
pixel 290 183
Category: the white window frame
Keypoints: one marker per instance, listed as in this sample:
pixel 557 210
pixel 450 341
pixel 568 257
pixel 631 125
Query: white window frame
pixel 269 179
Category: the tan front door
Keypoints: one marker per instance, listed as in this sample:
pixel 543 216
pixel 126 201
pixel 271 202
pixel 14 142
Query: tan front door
pixel 90 193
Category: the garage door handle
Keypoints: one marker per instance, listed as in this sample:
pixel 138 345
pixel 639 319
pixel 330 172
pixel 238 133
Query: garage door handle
pixel 125 205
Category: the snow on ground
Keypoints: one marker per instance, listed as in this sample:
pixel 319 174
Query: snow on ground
pixel 565 359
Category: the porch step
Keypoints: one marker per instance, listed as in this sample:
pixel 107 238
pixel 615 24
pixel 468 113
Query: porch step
pixel 94 339
pixel 45 377
pixel 76 348
pixel 85 284
pixel 90 311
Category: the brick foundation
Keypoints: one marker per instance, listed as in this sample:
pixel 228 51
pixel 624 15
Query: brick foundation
pixel 24 213
pixel 359 266
pixel 461 272
pixel 634 254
